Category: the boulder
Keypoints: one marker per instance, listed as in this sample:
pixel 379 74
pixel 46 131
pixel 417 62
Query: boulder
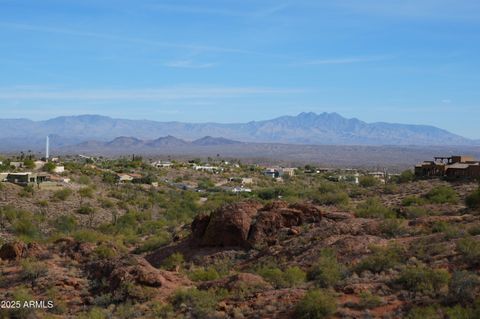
pixel 227 226
pixel 248 223
pixel 13 251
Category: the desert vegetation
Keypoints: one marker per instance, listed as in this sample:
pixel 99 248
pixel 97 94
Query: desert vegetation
pixel 179 243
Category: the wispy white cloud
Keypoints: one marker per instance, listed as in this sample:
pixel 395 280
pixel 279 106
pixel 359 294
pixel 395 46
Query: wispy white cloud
pixel 151 94
pixel 112 37
pixel 189 64
pixel 221 11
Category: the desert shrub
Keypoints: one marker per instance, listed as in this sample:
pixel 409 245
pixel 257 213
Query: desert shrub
pixel 423 280
pixel 368 300
pixel 469 248
pixel 32 269
pixel 316 304
pixel 473 200
pixel 65 223
pixel 424 313
pixel 85 210
pixel 327 271
pixel 204 274
pixel 26 228
pixel 442 195
pixel 153 243
pixel 381 259
pixel 332 198
pixel 392 227
pixel 173 261
pixel 272 193
pixel 27 191
pixel 439 227
pixel 86 192
pixel 291 277
pixel 84 180
pixel 49 167
pixel 413 201
pixel 367 181
pixel 405 177
pixel 474 230
pixel 62 194
pixel 294 276
pixel 459 312
pixel 129 291
pixel 106 203
pixel 23 295
pixel 200 303
pixel 88 236
pixel 390 189
pixel 59 305
pixel 162 310
pixel 273 275
pixel 464 287
pixel 374 208
pixel 416 212
pixel 104 252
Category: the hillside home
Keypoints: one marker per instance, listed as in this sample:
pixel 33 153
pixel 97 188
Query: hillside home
pixel 26 178
pixel 289 171
pixel 211 169
pixel 453 167
pixel 272 172
pixel 162 164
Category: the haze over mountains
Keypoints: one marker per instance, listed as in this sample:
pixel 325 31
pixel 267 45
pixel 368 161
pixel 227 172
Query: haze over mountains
pixel 305 128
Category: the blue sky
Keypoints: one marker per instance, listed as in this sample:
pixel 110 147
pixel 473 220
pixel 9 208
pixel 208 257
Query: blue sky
pixel 406 61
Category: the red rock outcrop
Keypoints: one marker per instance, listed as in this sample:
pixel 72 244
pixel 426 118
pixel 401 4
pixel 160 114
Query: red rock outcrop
pixel 227 226
pixel 14 250
pixel 249 223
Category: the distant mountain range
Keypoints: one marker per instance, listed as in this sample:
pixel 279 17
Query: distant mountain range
pixel 124 143
pixel 305 128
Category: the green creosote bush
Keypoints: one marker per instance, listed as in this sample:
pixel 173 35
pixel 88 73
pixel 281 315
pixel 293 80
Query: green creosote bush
pixel 291 277
pixel 62 194
pixel 469 248
pixel 392 227
pixel 473 200
pixel 368 181
pixel 316 304
pixel 65 224
pixel 406 177
pixel 173 262
pixel 381 259
pixel 374 208
pixel 413 201
pixel 429 312
pixel 85 210
pixel 327 271
pixel 200 303
pixel 368 300
pixel 424 280
pixel 442 195
pixel 153 243
pixel 32 269
pixel 203 274
pixel 464 287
